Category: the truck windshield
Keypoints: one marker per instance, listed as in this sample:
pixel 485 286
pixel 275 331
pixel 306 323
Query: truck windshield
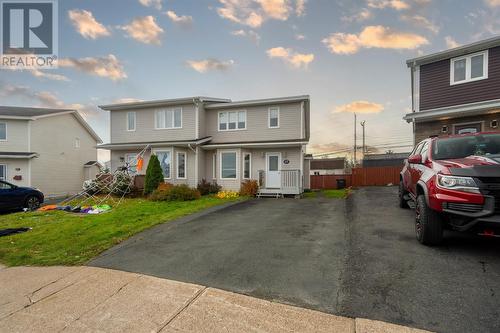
pixel 461 147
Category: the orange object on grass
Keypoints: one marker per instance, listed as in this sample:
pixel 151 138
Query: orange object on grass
pixel 46 208
pixel 140 163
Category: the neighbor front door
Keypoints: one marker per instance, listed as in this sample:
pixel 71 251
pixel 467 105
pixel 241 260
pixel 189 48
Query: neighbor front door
pixel 273 174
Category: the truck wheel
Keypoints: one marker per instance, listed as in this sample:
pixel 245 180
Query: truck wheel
pixel 428 223
pixel 401 196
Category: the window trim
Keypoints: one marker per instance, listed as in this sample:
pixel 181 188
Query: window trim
pixel 77 143
pixel 171 151
pixel 128 122
pixel 237 164
pixel 177 164
pixel 269 116
pixel 468 123
pixel 468 68
pixel 6 133
pixel 5 172
pixel 227 122
pixel 173 120
pixel 249 166
pixel 214 166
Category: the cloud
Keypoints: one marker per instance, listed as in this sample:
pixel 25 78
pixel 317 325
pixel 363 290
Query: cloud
pixel 86 25
pixel 295 59
pixel 493 3
pixel 152 3
pixel 126 100
pixel 373 37
pixel 421 21
pixel 300 7
pixel 182 21
pixel 299 37
pixel 44 75
pixel 144 30
pixel 253 13
pixel 203 66
pixel 394 4
pixel 450 42
pixel 252 35
pixel 109 67
pixel 360 107
pixel 363 15
pixel 328 147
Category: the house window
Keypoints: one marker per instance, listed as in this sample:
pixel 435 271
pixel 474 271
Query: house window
pixel 228 165
pixel 168 119
pixel 469 68
pixel 165 158
pixel 181 165
pixel 214 166
pixel 77 142
pixel 3 131
pixel 130 121
pixel 274 117
pixel 232 120
pixel 3 172
pixel 131 161
pixel 247 160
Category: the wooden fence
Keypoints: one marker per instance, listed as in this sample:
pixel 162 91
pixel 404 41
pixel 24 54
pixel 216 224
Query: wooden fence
pixel 371 176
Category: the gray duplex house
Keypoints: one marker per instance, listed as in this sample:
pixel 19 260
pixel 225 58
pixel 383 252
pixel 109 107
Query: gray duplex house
pixel 217 139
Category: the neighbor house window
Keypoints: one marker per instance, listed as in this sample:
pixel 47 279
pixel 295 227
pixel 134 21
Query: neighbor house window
pixel 131 161
pixel 3 131
pixel 214 166
pixel 77 142
pixel 232 120
pixel 130 121
pixel 165 158
pixel 228 165
pixel 469 68
pixel 247 165
pixel 3 172
pixel 171 118
pixel 274 117
pixel 181 165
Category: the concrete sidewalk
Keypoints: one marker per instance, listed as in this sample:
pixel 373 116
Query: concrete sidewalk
pixel 88 299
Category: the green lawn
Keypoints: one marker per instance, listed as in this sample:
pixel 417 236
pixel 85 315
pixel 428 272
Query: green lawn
pixel 60 238
pixel 337 194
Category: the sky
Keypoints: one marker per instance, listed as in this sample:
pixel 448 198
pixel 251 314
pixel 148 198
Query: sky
pixel 349 56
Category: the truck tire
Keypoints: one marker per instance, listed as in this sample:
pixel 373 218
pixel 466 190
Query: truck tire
pixel 428 223
pixel 401 196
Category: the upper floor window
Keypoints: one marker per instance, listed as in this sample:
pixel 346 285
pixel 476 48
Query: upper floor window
pixel 130 121
pixel 469 68
pixel 3 131
pixel 274 117
pixel 171 118
pixel 232 120
pixel 77 142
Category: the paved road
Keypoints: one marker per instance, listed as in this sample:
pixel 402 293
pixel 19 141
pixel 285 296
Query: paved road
pixel 355 258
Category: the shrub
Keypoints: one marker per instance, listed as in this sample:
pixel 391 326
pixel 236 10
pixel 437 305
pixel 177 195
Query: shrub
pixel 175 193
pixel 227 195
pixel 154 175
pixel 208 188
pixel 249 188
pixel 164 186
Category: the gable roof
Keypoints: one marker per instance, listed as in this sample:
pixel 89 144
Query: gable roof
pixel 30 113
pixel 455 52
pixel 162 102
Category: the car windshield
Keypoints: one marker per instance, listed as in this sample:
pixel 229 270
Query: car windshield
pixel 460 147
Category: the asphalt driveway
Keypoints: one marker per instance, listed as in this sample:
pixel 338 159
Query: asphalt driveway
pixel 356 258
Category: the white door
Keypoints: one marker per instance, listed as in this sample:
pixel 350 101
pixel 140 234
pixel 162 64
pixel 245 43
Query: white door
pixel 273 174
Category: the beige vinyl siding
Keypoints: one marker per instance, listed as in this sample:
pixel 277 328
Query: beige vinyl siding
pixel 17 167
pixel 17 136
pixel 59 170
pixel 202 121
pixel 259 159
pixel 145 126
pixel 257 124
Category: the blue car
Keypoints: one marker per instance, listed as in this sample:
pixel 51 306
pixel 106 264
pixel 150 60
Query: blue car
pixel 14 197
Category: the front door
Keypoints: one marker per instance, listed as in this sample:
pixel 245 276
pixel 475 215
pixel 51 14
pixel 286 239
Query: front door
pixel 273 174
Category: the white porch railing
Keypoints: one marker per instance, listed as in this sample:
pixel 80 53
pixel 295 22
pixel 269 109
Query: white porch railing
pixel 291 182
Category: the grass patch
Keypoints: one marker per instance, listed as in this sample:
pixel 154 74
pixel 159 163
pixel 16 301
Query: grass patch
pixel 61 238
pixel 336 194
pixel 311 194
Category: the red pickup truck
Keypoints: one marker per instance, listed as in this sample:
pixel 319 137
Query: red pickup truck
pixel 453 182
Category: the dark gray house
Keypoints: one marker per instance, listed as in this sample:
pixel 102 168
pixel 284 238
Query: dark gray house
pixel 384 160
pixel 456 91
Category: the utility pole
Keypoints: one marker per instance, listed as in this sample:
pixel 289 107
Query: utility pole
pixel 364 147
pixel 355 140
